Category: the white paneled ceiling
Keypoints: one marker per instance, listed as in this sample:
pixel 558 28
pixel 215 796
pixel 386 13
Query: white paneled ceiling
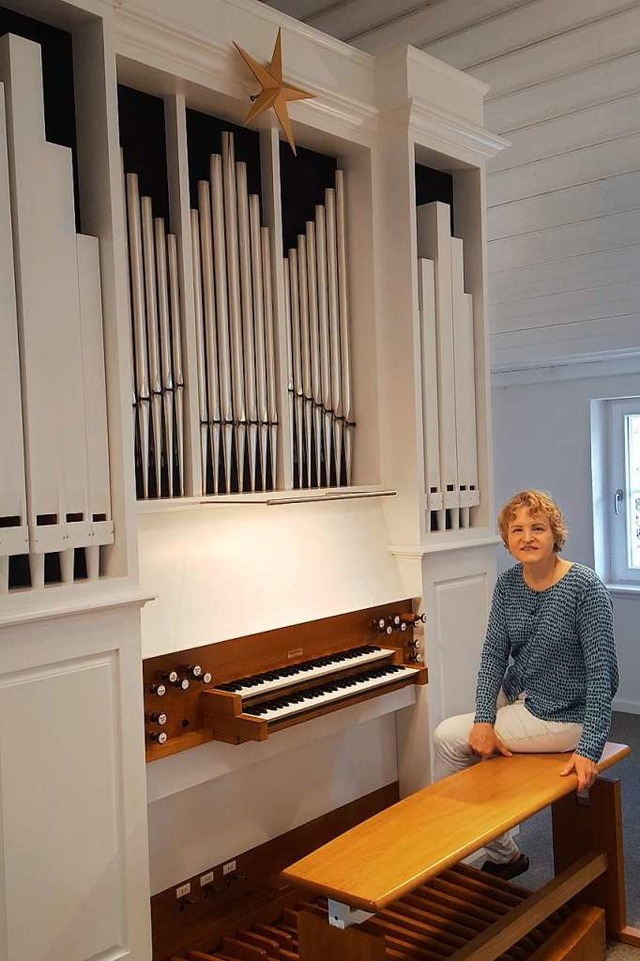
pixel 376 24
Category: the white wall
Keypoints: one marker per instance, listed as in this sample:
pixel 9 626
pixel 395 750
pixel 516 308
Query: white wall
pixel 542 439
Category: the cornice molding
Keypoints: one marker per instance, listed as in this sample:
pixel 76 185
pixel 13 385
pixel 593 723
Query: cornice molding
pixel 28 607
pixel 614 364
pixel 279 19
pixel 422 58
pixel 464 540
pixel 138 32
pixel 141 37
pixel 431 122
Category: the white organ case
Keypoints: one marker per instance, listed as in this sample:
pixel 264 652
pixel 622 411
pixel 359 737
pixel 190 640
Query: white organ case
pixel 72 740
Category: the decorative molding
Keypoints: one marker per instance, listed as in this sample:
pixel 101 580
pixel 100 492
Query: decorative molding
pixel 422 57
pixel 456 134
pixel 72 603
pixel 276 17
pixel 453 542
pixel 614 364
pixel 138 34
pixel 156 41
pixel 213 65
pixel 265 498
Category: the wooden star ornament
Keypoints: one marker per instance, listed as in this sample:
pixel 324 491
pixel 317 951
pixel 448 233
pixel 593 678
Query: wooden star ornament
pixel 275 92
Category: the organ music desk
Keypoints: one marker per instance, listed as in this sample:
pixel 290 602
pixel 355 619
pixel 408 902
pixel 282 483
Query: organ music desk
pixel 380 875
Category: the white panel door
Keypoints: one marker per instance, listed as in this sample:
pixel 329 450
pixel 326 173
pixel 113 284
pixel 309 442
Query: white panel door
pixel 73 871
pixel 54 722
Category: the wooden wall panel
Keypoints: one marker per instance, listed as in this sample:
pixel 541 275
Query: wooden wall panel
pixel 522 25
pixel 604 39
pixel 571 205
pixel 593 83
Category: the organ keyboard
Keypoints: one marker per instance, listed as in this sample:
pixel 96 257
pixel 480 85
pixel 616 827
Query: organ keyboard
pixel 236 718
pixel 256 685
pixel 300 701
pixel 306 671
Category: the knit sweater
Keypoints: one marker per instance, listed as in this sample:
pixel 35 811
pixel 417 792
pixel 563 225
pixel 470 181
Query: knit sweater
pixel 557 647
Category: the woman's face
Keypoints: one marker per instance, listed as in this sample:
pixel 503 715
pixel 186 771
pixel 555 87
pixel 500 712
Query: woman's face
pixel 529 537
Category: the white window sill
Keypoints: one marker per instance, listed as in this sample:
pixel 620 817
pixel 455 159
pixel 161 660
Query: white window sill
pixel 623 589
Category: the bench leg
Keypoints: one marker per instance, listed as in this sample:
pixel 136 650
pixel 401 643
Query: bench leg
pixel 319 941
pixel 594 823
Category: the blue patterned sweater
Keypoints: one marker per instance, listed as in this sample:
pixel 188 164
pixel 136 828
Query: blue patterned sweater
pixel 557 647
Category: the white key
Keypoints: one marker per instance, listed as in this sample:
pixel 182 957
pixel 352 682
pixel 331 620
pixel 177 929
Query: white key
pixel 313 702
pixel 278 683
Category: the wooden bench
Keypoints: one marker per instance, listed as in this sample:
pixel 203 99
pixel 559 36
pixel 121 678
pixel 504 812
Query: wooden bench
pixel 383 877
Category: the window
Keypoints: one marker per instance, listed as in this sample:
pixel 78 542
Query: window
pixel 616 488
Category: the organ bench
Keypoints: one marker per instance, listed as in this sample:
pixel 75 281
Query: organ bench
pixel 380 876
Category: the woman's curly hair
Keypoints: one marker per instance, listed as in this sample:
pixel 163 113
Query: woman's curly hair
pixel 538 502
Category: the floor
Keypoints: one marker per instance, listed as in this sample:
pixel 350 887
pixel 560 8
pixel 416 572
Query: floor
pixel 622 952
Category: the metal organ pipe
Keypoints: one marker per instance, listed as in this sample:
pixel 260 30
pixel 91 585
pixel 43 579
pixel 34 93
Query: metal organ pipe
pixel 257 284
pixel 246 301
pixel 139 326
pixel 303 298
pixel 235 310
pixel 238 323
pixel 297 360
pixel 166 359
pixel 272 405
pixel 222 313
pixel 202 379
pixel 314 344
pixel 236 340
pixel 153 340
pixel 323 325
pixel 318 327
pixel 335 389
pixel 345 340
pixel 209 335
pixel 176 347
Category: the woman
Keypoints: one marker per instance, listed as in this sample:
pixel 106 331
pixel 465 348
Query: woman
pixel 548 670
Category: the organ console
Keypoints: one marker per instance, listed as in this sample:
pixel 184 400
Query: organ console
pixel 254 686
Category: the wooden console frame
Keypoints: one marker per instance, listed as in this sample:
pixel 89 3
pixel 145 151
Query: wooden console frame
pixel 378 862
pixel 191 717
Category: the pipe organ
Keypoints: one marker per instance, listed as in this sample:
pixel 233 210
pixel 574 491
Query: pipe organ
pixel 55 493
pixel 448 374
pixel 199 566
pixel 237 325
pixel 317 310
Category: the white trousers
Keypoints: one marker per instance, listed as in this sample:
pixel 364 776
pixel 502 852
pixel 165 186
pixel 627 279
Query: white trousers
pixel 519 731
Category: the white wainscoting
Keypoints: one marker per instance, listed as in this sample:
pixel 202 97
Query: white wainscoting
pixel 73 882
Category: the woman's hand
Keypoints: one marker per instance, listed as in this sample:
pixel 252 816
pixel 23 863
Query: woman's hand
pixel 484 741
pixel 586 770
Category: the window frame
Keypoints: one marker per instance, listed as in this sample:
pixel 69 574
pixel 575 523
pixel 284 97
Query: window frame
pixel 618 509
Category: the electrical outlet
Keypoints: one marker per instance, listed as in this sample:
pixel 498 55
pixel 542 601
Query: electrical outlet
pixel 228 868
pixel 206 879
pixel 183 890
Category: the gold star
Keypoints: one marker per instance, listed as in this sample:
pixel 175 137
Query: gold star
pixel 275 92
